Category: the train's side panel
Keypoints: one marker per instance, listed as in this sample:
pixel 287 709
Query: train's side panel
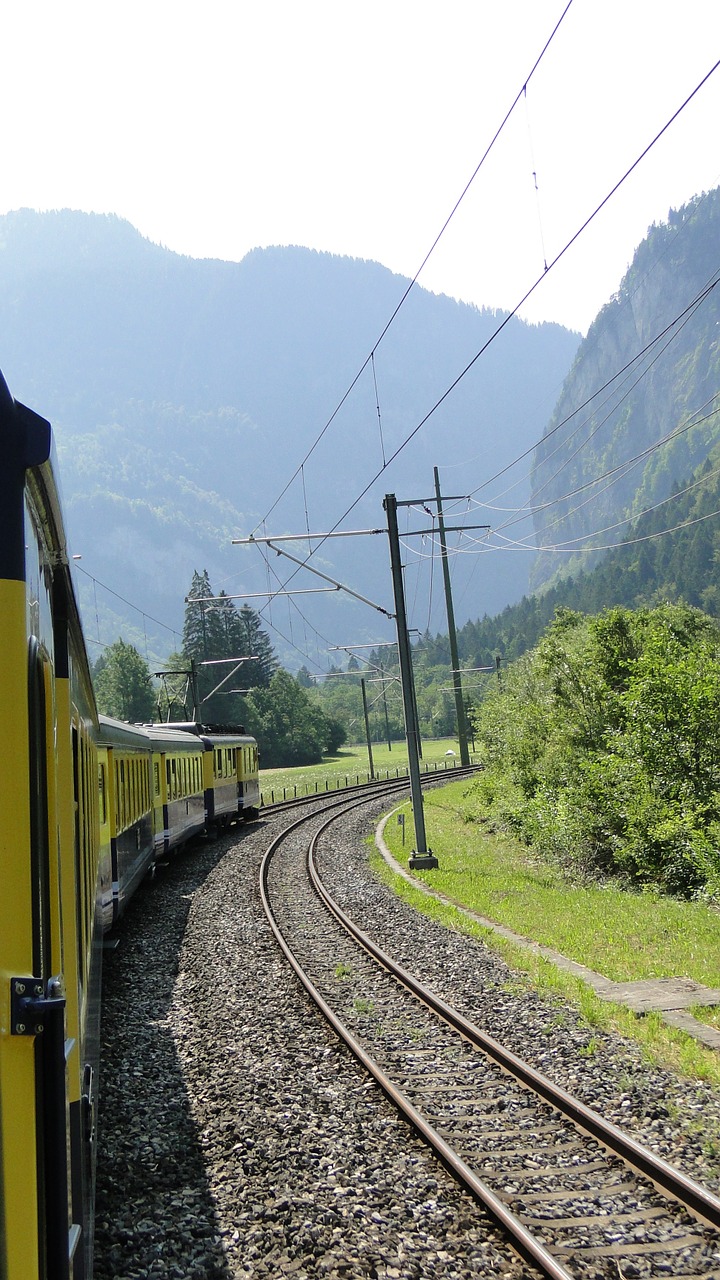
pixel 126 770
pixel 48 856
pixel 18 1134
pixel 186 797
pixel 248 777
pixel 231 777
pixel 208 774
pixel 81 927
pixel 178 787
pixel 221 780
pixel 133 852
pixel 159 803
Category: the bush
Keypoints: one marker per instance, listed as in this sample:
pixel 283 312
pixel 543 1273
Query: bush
pixel 603 747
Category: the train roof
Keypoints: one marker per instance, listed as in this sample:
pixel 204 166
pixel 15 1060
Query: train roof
pixel 116 733
pixel 172 738
pixel 209 735
pixel 227 740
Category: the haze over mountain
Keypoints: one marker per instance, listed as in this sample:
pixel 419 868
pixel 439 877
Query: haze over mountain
pixel 638 413
pixel 184 393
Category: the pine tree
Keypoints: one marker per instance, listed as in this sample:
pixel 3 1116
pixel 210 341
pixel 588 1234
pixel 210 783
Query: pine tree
pixel 254 642
pixel 213 634
pixel 205 642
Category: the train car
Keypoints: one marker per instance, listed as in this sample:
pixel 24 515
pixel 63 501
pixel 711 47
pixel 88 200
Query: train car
pixel 248 779
pixel 232 788
pixel 178 794
pixel 50 917
pixel 125 796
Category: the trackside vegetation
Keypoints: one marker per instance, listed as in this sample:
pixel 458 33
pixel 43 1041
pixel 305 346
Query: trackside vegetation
pixel 602 748
pixel 624 934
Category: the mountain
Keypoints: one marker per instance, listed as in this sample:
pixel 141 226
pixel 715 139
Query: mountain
pixel 184 393
pixel 638 410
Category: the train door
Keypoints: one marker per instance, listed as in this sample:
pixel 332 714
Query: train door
pixel 38 1002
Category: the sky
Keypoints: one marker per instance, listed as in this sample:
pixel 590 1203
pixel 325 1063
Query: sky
pixel 355 127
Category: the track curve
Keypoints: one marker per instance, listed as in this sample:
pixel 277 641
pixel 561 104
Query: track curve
pixel 638 1225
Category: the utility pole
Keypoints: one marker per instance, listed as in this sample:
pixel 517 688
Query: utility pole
pixel 422 858
pixel 384 698
pixel 454 660
pixel 367 728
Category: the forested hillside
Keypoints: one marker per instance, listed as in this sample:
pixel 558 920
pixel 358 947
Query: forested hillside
pixel 638 410
pixel 671 555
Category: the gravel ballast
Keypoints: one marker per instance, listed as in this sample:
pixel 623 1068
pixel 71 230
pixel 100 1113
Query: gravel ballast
pixel 237 1138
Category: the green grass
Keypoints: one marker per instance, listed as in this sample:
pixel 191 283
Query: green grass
pixel 623 935
pixel 349 766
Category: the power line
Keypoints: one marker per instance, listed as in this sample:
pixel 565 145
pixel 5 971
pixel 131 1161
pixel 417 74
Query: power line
pixel 670 332
pixel 521 92
pixel 129 603
pixel 498 330
pixel 510 315
pixel 531 449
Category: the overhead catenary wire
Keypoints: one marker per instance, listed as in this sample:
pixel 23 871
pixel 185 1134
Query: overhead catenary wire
pixel 670 334
pixel 612 475
pixel 143 612
pixel 518 515
pixel 519 545
pixel 528 293
pixel 500 327
pixel 413 281
pixel 377 406
pixel 570 546
pixel 558 426
pixel 622 469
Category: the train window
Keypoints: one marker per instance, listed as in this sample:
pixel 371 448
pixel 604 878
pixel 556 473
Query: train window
pixel 102 799
pixel 123 797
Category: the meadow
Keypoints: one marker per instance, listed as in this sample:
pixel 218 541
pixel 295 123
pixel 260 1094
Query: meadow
pixel 350 767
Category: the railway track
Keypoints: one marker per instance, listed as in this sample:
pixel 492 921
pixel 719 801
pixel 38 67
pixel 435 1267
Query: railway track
pixel 368 790
pixel 577 1197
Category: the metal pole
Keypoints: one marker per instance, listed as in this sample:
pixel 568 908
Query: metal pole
pixel 384 698
pixel 367 727
pixel 195 692
pixel 422 857
pixel 457 683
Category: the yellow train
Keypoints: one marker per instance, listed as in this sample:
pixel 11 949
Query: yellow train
pixel 87 806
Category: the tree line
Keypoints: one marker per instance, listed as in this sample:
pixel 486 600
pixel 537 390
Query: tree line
pixel 602 747
pixel 226 674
